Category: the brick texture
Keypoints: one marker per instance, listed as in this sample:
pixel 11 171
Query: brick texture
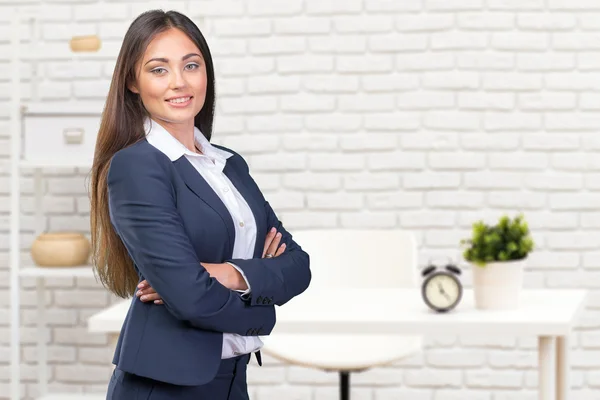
pixel 419 114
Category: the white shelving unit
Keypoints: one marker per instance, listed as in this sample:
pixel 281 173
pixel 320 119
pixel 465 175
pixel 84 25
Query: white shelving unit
pixel 53 121
pixel 57 272
pixel 43 135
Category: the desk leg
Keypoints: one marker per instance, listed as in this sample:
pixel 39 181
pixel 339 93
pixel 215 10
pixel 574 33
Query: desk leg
pixel 546 350
pixel 563 382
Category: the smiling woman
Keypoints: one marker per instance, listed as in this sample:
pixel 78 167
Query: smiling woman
pixel 164 57
pixel 172 88
pixel 181 223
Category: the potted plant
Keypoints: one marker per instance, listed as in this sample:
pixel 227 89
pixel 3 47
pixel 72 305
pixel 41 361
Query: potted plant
pixel 498 254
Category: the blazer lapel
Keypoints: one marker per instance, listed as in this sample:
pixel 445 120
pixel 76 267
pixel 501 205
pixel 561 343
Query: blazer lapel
pixel 202 189
pixel 258 209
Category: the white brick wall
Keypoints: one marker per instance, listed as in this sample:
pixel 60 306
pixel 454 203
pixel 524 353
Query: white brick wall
pixel 423 114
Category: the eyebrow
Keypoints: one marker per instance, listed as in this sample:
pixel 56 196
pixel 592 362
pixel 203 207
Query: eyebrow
pixel 166 60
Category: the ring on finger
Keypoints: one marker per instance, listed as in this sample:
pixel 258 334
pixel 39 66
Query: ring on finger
pixel 268 255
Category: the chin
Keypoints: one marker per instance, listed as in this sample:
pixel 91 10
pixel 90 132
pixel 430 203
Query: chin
pixel 178 116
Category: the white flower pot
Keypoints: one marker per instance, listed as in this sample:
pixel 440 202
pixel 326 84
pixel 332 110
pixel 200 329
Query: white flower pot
pixel 498 285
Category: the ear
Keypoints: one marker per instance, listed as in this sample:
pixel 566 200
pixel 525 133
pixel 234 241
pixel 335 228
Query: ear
pixel 133 88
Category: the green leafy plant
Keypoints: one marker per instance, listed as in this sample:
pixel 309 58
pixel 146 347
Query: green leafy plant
pixel 508 240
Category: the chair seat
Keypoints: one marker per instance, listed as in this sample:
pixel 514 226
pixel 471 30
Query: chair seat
pixel 340 352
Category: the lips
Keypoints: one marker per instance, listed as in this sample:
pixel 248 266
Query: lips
pixel 180 99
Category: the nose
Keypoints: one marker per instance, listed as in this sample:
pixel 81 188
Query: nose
pixel 177 80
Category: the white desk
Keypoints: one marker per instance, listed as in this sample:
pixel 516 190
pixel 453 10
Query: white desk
pixel 549 315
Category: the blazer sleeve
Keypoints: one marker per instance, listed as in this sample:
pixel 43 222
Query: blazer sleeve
pixel 275 280
pixel 142 209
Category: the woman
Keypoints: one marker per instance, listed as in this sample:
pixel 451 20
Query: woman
pixel 184 217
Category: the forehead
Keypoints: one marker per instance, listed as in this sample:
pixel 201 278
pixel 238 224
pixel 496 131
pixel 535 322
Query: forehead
pixel 171 44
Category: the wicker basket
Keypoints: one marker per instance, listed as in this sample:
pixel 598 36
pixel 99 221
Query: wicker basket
pixel 60 249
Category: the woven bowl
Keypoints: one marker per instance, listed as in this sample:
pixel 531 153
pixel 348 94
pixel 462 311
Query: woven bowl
pixel 60 249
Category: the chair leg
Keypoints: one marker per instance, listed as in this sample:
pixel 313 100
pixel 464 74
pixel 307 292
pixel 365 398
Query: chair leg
pixel 344 385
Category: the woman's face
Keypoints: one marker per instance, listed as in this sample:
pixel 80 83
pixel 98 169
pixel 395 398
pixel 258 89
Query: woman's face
pixel 171 78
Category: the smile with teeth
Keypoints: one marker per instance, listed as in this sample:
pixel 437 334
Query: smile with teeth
pixel 179 100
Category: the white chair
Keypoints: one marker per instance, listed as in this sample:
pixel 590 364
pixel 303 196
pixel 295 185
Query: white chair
pixel 352 258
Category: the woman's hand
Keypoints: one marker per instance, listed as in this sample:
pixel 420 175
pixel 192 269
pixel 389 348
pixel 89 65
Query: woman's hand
pixel 146 293
pixel 227 275
pixel 272 248
pixel 224 273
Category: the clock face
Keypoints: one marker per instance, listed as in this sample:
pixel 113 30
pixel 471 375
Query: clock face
pixel 442 291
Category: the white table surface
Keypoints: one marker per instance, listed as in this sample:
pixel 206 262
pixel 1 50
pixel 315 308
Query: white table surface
pixel 544 312
pixel 548 314
pixel 402 311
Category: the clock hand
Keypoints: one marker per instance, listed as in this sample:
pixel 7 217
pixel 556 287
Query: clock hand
pixel 443 292
pixel 441 288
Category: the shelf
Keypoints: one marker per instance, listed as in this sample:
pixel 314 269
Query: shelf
pixel 56 163
pixel 74 396
pixel 85 271
pixel 64 109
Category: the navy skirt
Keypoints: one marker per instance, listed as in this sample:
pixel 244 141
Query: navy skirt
pixel 228 384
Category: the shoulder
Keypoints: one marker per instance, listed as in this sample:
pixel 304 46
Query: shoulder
pixel 140 152
pixel 140 156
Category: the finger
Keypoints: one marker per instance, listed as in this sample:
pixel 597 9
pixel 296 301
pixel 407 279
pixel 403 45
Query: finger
pixel 150 297
pixel 158 302
pixel 268 240
pixel 143 284
pixel 142 292
pixel 274 244
pixel 280 250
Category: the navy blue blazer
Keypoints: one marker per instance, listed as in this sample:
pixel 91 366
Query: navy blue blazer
pixel 170 220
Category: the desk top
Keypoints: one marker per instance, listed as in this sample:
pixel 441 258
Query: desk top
pixel 402 311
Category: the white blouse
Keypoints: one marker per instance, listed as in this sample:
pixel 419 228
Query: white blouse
pixel 210 166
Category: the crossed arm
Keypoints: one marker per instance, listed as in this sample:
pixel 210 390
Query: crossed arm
pixel 228 276
pixel 143 211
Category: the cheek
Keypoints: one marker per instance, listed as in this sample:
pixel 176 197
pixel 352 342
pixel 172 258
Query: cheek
pixel 200 83
pixel 152 90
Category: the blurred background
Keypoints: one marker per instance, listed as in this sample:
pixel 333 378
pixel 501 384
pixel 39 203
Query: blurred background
pixel 421 114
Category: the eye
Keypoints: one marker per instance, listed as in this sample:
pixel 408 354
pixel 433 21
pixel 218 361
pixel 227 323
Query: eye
pixel 194 65
pixel 155 70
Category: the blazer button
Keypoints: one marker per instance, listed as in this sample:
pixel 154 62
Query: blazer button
pixel 259 299
pixel 265 301
pixel 249 332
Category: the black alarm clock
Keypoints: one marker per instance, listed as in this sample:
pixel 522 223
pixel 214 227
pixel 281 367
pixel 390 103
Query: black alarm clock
pixel 441 288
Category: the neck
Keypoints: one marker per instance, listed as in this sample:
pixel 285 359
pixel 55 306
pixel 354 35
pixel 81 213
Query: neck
pixel 182 131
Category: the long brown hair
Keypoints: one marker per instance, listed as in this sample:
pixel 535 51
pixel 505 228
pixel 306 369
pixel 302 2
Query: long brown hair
pixel 122 125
